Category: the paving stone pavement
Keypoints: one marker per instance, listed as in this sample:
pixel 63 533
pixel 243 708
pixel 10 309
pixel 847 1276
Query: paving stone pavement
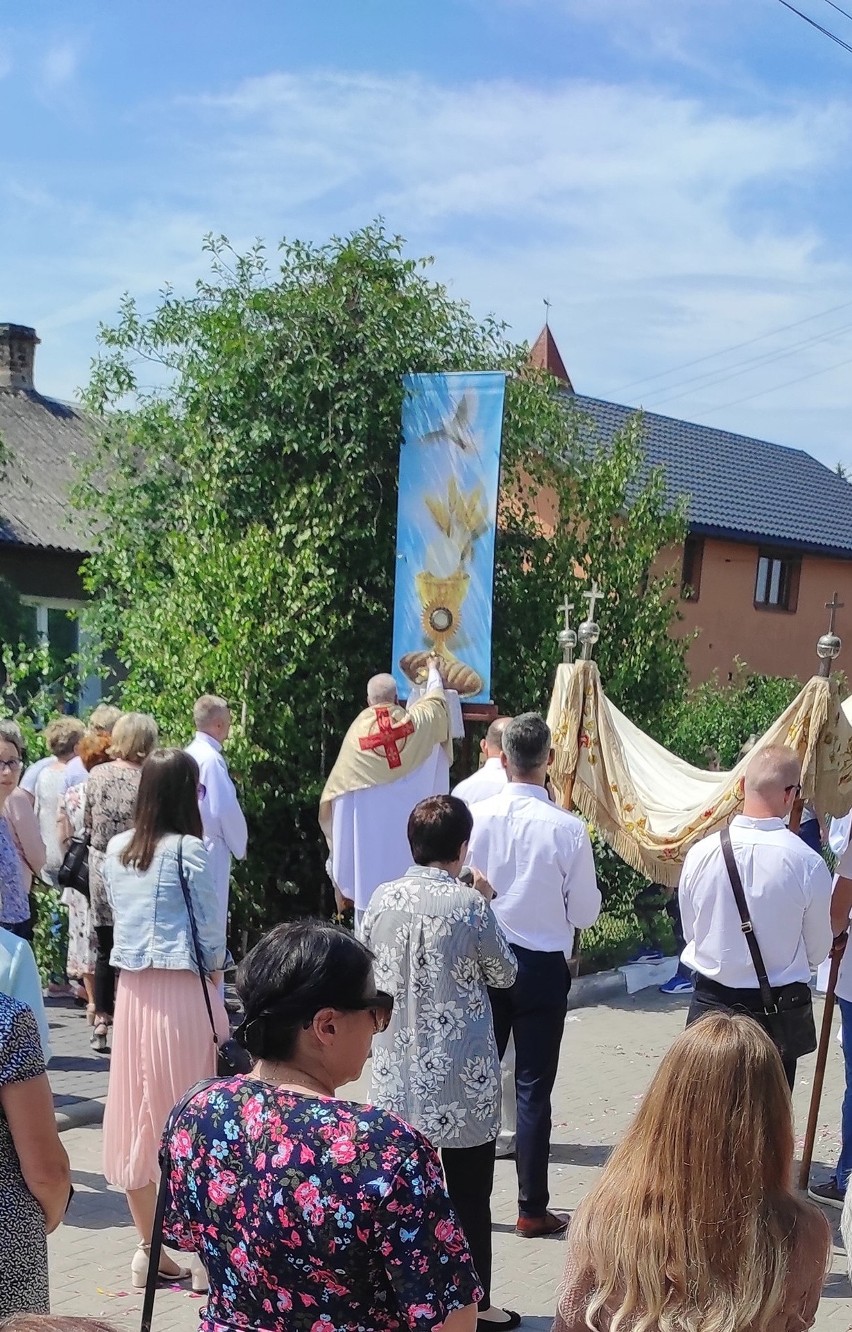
pixel 610 1051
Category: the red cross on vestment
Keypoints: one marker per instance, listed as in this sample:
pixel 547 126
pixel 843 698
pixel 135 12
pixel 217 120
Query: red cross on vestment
pixel 387 737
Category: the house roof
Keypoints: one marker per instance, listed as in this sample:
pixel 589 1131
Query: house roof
pixel 545 355
pixel 738 487
pixel 40 438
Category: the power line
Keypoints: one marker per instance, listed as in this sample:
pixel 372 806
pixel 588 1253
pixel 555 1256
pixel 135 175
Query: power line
pixel 825 31
pixel 787 384
pixel 714 377
pixel 844 12
pixel 737 346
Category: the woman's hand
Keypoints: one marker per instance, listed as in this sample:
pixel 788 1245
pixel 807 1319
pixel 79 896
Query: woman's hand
pixel 481 884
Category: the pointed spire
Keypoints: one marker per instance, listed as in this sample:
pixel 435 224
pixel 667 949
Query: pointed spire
pixel 545 355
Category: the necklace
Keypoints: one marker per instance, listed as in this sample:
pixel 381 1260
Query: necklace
pixel 292 1078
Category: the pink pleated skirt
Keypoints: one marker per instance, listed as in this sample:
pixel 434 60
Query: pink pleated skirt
pixel 161 1045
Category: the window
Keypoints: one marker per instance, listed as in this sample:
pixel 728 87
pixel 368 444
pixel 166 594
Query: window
pixel 59 630
pixel 690 578
pixel 777 584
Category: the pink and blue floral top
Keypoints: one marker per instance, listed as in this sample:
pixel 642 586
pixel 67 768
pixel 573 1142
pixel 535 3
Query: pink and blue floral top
pixel 312 1214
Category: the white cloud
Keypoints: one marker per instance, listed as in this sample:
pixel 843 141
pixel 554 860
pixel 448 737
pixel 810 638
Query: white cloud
pixel 661 228
pixel 58 67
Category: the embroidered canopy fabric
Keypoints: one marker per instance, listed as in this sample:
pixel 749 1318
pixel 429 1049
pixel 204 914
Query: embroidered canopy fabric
pixel 650 805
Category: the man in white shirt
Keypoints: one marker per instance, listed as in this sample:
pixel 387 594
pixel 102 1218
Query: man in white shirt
pixel 833 1191
pixel 490 779
pixel 787 889
pixel 539 860
pixel 223 821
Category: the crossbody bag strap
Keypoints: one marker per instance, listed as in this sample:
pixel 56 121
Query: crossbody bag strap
pixel 156 1246
pixel 184 885
pixel 766 998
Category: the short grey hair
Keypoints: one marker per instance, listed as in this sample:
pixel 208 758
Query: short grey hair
pixel 10 732
pixel 207 709
pixel 526 742
pixel 381 689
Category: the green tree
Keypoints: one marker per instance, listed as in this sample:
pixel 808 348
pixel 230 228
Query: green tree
pixel 247 505
pixel 606 517
pixel 714 721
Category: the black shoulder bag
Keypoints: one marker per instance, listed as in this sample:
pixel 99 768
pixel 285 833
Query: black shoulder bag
pixel 231 1058
pixel 156 1246
pixel 74 870
pixel 788 1013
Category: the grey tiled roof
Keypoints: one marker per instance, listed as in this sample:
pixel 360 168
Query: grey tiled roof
pixel 40 436
pixel 736 486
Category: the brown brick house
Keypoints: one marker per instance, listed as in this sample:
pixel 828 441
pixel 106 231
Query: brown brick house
pixel 770 536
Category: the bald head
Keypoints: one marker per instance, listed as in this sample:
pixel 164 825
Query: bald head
pixel 381 690
pixel 492 745
pixel 771 782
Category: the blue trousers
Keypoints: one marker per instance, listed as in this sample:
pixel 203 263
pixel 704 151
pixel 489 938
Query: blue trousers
pixel 533 1011
pixel 844 1163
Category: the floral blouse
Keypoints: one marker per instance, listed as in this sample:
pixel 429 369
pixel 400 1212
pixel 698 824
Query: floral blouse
pixel 312 1214
pixel 438 947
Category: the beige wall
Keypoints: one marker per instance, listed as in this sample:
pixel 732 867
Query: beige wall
pixel 773 642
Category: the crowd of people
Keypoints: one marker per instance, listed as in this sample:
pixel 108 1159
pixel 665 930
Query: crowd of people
pixel 293 1206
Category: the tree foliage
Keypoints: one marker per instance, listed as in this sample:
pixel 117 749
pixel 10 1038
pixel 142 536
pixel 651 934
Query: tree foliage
pixel 714 721
pixel 247 505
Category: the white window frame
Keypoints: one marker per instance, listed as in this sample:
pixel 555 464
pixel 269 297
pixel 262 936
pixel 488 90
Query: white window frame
pixel 89 694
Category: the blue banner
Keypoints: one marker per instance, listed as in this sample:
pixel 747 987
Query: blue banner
pixel 449 476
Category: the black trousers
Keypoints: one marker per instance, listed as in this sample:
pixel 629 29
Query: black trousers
pixel 469 1176
pixel 104 973
pixel 533 1011
pixel 22 928
pixel 710 997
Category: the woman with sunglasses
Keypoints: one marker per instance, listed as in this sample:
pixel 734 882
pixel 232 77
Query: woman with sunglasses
pixel 310 1211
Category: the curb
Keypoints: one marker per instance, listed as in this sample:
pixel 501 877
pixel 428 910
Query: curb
pixel 78 1114
pixel 596 989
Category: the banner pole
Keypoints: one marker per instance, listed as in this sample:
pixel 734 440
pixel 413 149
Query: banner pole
pixel 837 951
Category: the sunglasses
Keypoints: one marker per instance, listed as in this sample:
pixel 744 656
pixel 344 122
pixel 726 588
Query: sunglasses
pixel 10 765
pixel 795 787
pixel 380 1008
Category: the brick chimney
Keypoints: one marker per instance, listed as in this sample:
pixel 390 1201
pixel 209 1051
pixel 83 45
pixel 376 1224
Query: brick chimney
pixel 17 356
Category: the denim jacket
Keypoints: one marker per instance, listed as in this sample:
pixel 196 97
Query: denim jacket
pixel 151 921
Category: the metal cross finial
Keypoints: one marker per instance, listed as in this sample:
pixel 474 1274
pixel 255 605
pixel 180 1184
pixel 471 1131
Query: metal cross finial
pixel 833 606
pixel 546 312
pixel 567 607
pixel 567 636
pixel 594 594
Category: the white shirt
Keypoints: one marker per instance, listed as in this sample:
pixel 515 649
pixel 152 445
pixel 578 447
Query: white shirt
pixel 488 781
pixel 844 975
pixel 538 858
pixel 787 889
pixel 30 777
pixel 224 824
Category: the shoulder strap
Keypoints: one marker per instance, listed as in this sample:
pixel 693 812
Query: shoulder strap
pixel 184 885
pixel 766 998
pixel 156 1245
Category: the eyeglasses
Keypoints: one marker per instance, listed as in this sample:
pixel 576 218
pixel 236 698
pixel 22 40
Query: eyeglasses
pixel 202 791
pixel 795 787
pixel 10 765
pixel 380 1008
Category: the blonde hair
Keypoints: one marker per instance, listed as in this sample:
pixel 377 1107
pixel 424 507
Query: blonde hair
pixel 104 717
pixel 62 736
pixel 207 708
pixel 133 736
pixel 771 770
pixel 693 1221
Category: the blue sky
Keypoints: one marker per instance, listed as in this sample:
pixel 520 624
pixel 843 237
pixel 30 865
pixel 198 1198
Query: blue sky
pixel 674 176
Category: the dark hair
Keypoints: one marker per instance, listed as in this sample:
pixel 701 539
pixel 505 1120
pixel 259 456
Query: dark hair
pixel 526 742
pixel 294 971
pixel 438 828
pixel 167 802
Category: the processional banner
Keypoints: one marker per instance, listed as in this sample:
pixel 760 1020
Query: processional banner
pixel 449 475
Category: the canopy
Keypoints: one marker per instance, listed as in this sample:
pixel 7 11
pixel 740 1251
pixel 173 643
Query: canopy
pixel 650 805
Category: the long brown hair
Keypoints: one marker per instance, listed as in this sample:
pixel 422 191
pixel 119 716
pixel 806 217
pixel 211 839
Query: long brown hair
pixel 693 1221
pixel 167 802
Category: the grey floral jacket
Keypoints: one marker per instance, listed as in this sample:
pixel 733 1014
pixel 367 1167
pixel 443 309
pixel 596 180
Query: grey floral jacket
pixel 438 947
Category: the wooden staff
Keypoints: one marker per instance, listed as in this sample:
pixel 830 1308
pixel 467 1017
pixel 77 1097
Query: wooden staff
pixel 837 950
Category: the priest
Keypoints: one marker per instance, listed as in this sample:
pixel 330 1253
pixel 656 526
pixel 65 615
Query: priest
pixel 391 759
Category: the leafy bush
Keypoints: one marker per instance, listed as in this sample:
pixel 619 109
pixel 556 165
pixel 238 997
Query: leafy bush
pixel 715 720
